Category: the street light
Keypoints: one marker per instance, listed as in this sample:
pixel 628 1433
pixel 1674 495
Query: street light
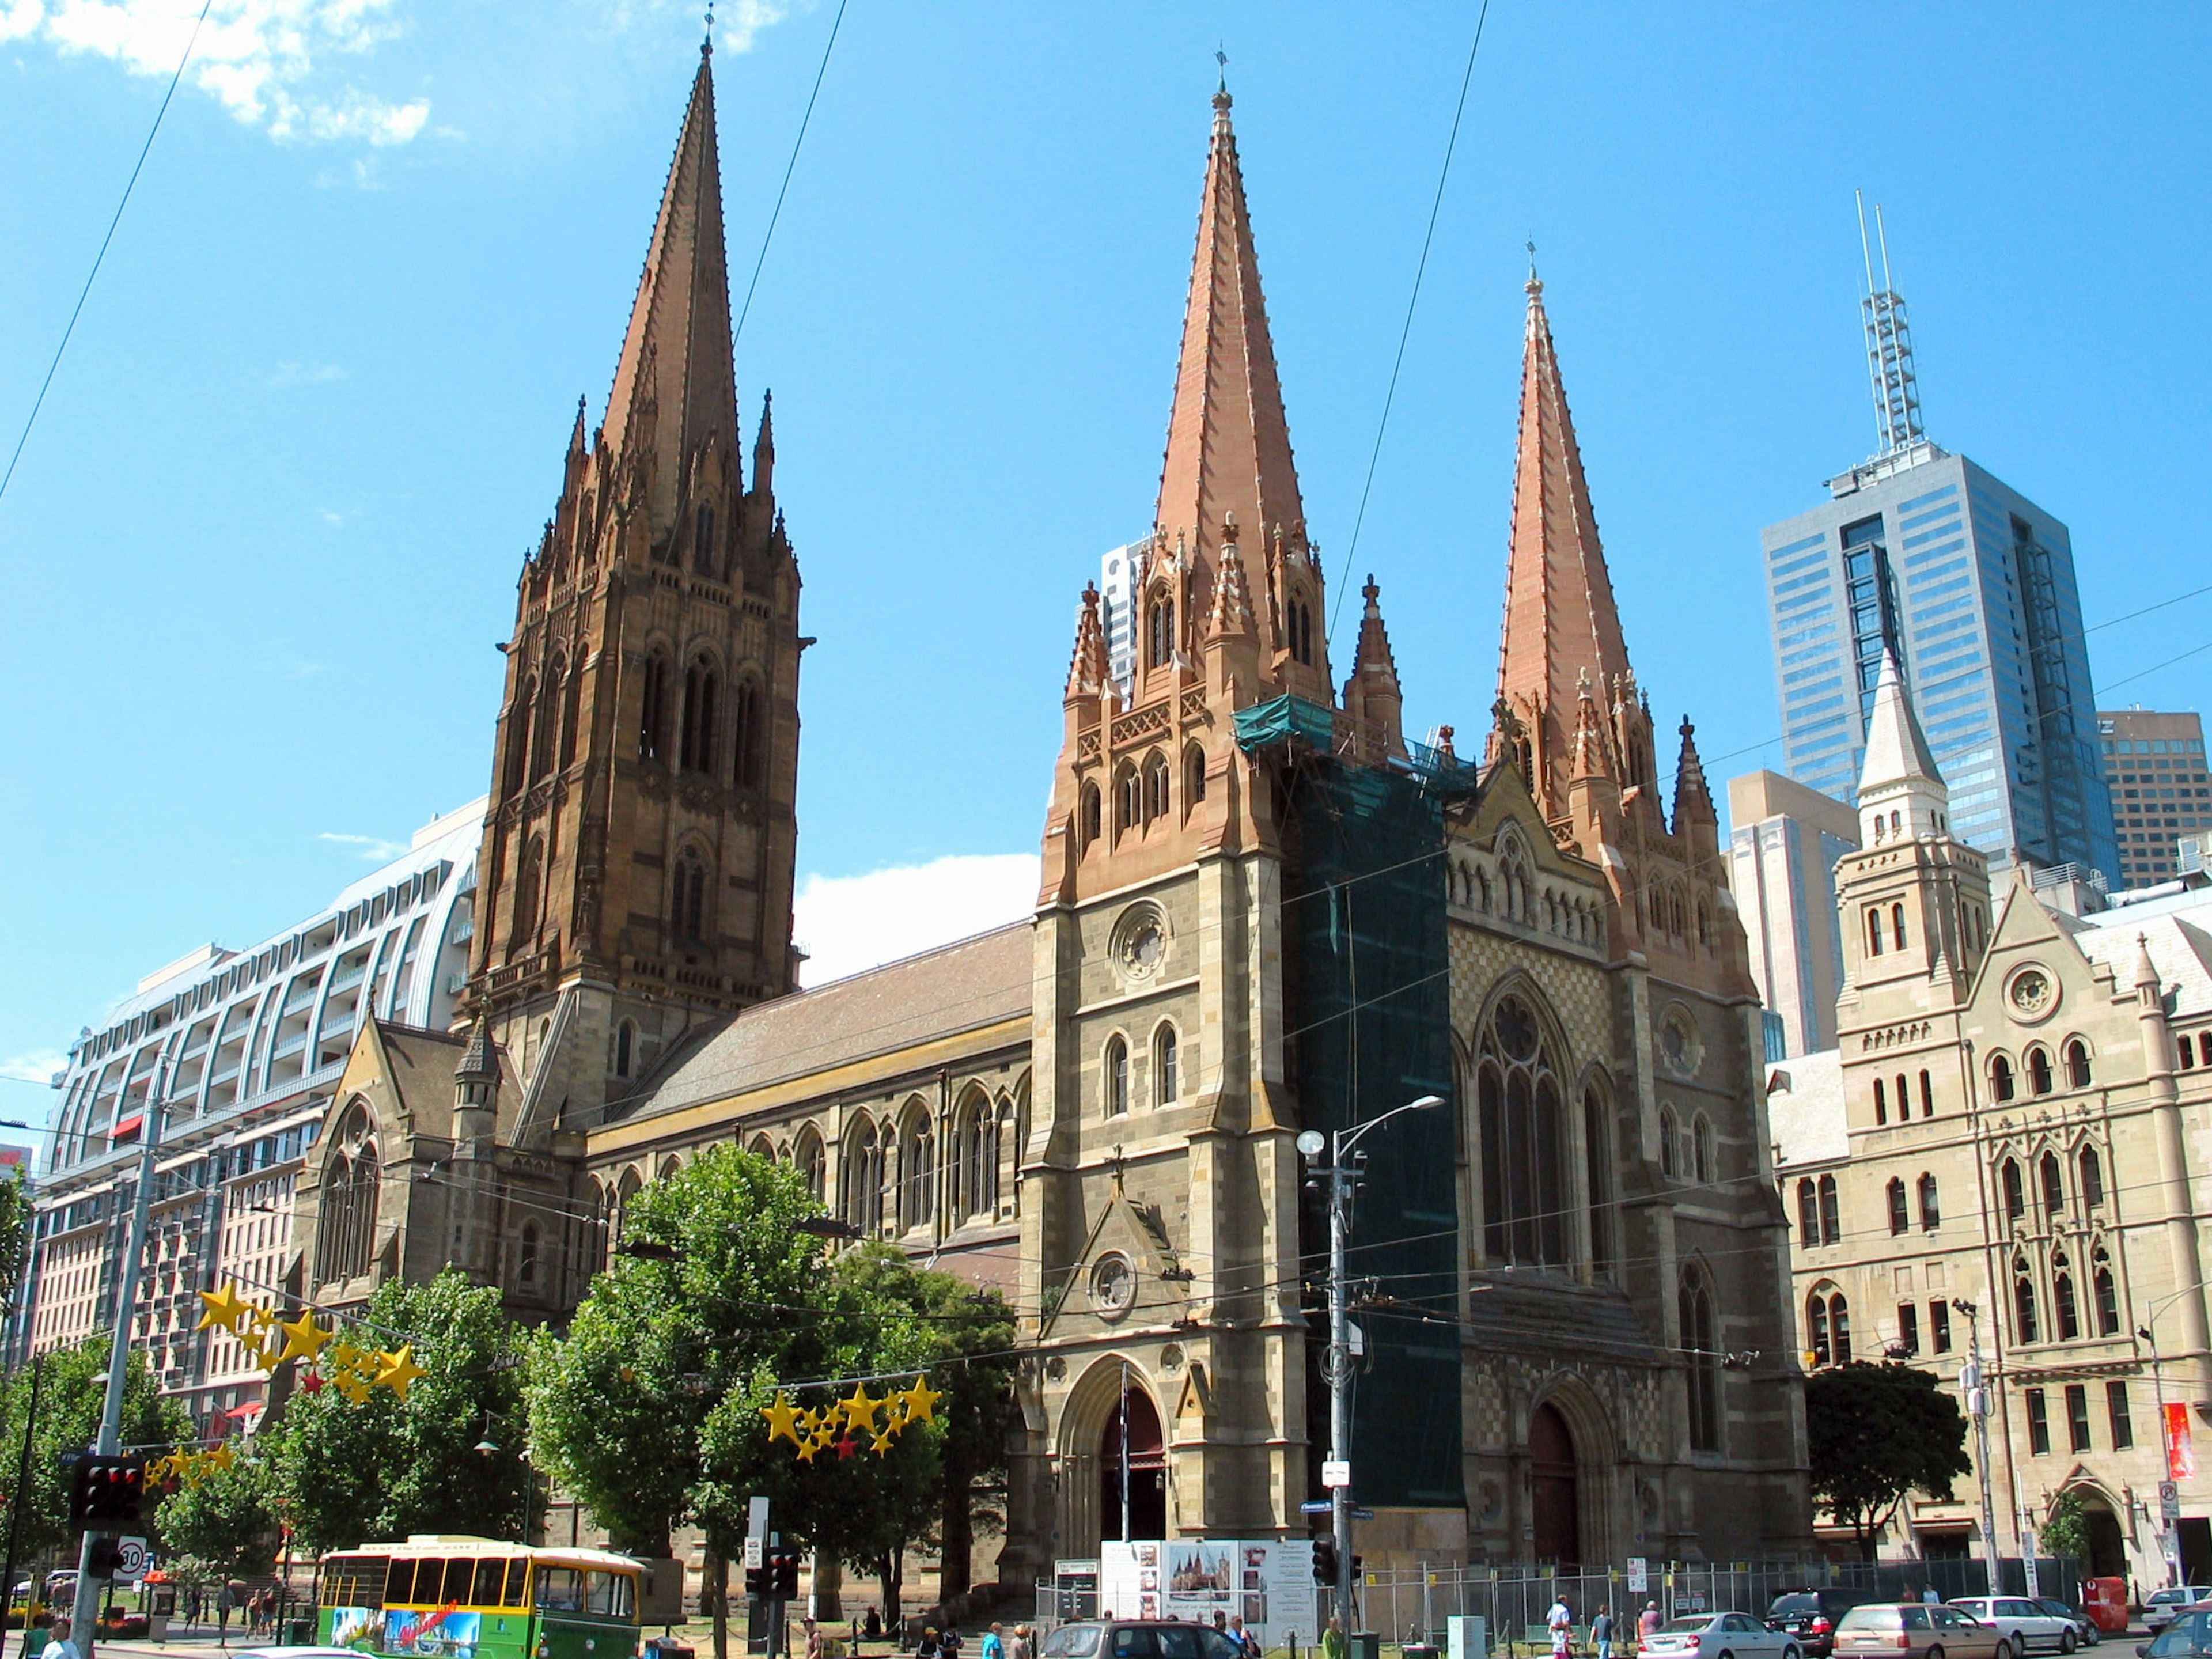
pixel 2168 1544
pixel 1336 1360
pixel 1971 1385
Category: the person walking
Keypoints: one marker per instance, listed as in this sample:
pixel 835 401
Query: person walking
pixel 1020 1647
pixel 1647 1624
pixel 58 1640
pixel 1332 1639
pixel 1560 1621
pixel 995 1642
pixel 1243 1638
pixel 1602 1632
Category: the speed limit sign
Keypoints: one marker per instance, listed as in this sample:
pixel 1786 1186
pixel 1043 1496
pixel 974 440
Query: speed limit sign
pixel 130 1558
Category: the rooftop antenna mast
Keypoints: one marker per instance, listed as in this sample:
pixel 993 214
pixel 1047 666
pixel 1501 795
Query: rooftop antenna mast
pixel 1889 346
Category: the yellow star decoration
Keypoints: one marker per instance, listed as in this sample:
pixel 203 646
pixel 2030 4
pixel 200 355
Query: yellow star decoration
pixel 919 1403
pixel 303 1337
pixel 882 1443
pixel 807 1448
pixel 395 1371
pixel 225 1308
pixel 350 1384
pixel 861 1409
pixel 782 1419
pixel 221 1457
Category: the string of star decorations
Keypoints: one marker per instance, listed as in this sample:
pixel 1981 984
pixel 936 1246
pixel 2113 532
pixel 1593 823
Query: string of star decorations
pixel 849 1426
pixel 328 1355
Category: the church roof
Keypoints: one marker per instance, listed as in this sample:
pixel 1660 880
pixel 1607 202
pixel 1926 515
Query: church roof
pixel 1229 441
pixel 963 987
pixel 1896 749
pixel 1560 619
pixel 677 352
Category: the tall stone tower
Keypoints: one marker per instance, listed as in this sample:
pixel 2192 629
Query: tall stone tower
pixel 638 850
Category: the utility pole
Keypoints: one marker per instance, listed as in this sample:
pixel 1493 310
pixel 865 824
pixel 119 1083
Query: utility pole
pixel 22 1491
pixel 1343 1178
pixel 84 1611
pixel 2166 1550
pixel 1972 1384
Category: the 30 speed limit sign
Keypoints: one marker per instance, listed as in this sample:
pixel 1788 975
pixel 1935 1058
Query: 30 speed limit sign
pixel 130 1558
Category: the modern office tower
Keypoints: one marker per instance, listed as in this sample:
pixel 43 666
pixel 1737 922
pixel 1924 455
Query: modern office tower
pixel 1117 610
pixel 2154 773
pixel 1783 842
pixel 1971 585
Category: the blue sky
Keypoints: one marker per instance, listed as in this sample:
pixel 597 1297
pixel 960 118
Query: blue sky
pixel 266 532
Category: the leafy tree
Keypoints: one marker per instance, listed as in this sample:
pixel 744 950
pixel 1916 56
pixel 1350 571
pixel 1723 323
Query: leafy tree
pixel 227 1521
pixel 347 1474
pixel 1877 1433
pixel 71 1394
pixel 14 1234
pixel 2065 1530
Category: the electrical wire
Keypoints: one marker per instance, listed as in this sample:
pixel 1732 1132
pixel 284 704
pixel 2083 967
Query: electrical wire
pixel 745 310
pixel 83 294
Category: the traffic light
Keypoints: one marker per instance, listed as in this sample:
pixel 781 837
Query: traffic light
pixel 104 1559
pixel 783 1574
pixel 757 1582
pixel 106 1491
pixel 1324 1560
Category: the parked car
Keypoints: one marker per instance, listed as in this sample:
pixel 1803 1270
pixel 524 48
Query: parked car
pixel 2085 1627
pixel 1919 1631
pixel 2160 1609
pixel 1138 1638
pixel 2185 1635
pixel 2032 1627
pixel 1811 1616
pixel 1721 1636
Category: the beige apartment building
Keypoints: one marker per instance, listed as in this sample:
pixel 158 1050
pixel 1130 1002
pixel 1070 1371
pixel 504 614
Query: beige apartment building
pixel 1783 842
pixel 2008 1147
pixel 2155 767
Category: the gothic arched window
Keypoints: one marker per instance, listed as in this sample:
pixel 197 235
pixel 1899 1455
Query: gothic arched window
pixel 917 1153
pixel 623 1048
pixel 1087 815
pixel 1129 799
pixel 1900 1219
pixel 1701 1337
pixel 1808 1212
pixel 1518 1101
pixel 1931 1213
pixel 652 709
pixel 1927 1096
pixel 1156 785
pixel 1165 1082
pixel 1706 1162
pixel 529 874
pixel 1300 628
pixel 746 716
pixel 1117 1078
pixel 1873 930
pixel 807 1155
pixel 525 1261
pixel 1881 1102
pixel 1194 776
pixel 2002 1083
pixel 1670 1138
pixel 2077 1064
pixel 1597 1157
pixel 1896 921
pixel 2039 1071
pixel 1160 637
pixel 1828 1326
pixel 860 1163
pixel 687 898
pixel 351 1187
pixel 702 542
pixel 1831 1230
pixel 2106 1292
pixel 2015 1194
pixel 2054 1187
pixel 698 741
pixel 2092 1169
pixel 545 722
pixel 2027 1328
pixel 2062 1298
pixel 518 736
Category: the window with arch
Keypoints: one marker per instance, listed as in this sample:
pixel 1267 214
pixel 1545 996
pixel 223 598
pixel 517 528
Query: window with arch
pixel 1129 799
pixel 1897 924
pixel 860 1164
pixel 1301 628
pixel 1087 816
pixel 1873 930
pixel 352 1183
pixel 687 898
pixel 1927 1096
pixel 1520 1108
pixel 525 1259
pixel 529 875
pixel 1670 1137
pixel 1900 1218
pixel 2015 1194
pixel 1156 785
pixel 1167 1083
pixel 977 1171
pixel 1116 1078
pixel 2091 1169
pixel 652 709
pixel 745 718
pixel 545 722
pixel 2063 1305
pixel 1597 1158
pixel 1809 1212
pixel 1904 1100
pixel 1704 1163
pixel 572 698
pixel 517 735
pixel 2106 1292
pixel 622 1049
pixel 1881 1102
pixel 702 541
pixel 2188 1055
pixel 1194 776
pixel 1828 1326
pixel 2038 1072
pixel 2026 1327
pixel 699 696
pixel 2003 1085
pixel 1701 1336
pixel 917 1156
pixel 2054 1187
pixel 1831 1230
pixel 2077 1064
pixel 1931 1210
pixel 807 1157
pixel 1160 631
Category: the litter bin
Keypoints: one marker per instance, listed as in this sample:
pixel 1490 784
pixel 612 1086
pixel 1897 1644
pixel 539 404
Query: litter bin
pixel 300 1631
pixel 1420 1651
pixel 1365 1644
pixel 664 1647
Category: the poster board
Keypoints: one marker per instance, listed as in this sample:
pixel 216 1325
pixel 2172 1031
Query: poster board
pixel 1267 1582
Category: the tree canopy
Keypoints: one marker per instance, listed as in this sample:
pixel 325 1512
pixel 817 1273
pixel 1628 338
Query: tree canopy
pixel 71 1393
pixel 227 1520
pixel 1877 1433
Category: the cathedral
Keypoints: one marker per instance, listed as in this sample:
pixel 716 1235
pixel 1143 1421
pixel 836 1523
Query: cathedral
pixel 1263 909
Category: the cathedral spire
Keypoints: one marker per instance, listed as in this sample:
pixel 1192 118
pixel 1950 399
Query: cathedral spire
pixel 1901 794
pixel 676 357
pixel 1560 622
pixel 1692 795
pixel 1087 671
pixel 1372 696
pixel 1229 443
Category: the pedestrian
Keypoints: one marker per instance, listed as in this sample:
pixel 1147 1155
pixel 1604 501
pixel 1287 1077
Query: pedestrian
pixel 1560 1621
pixel 995 1642
pixel 58 1640
pixel 224 1601
pixel 1930 1598
pixel 1245 1644
pixel 929 1647
pixel 1020 1647
pixel 948 1648
pixel 1647 1624
pixel 1602 1632
pixel 872 1627
pixel 1332 1639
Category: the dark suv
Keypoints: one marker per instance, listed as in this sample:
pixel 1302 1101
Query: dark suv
pixel 1138 1638
pixel 1811 1615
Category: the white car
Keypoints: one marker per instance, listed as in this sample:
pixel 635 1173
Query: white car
pixel 2159 1610
pixel 2029 1627
pixel 1721 1636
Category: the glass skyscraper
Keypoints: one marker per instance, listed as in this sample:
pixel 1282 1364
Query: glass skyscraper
pixel 1971 585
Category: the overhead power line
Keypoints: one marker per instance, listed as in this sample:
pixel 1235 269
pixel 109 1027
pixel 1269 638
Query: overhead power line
pixel 776 212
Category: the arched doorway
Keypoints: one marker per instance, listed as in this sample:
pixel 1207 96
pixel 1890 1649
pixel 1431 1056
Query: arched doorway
pixel 2107 1556
pixel 1144 1479
pixel 1554 1503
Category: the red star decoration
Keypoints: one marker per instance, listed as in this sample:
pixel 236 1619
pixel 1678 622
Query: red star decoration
pixel 846 1447
pixel 310 1384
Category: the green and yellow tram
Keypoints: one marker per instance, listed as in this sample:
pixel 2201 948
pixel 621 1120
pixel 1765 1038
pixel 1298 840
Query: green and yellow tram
pixel 443 1597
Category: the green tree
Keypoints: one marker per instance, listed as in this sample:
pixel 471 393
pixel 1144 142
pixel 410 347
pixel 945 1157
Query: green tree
pixel 14 1234
pixel 347 1474
pixel 227 1521
pixel 70 1398
pixel 1877 1433
pixel 2065 1530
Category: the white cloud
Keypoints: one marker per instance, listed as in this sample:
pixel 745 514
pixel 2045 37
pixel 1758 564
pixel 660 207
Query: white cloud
pixel 258 58
pixel 307 373
pixel 34 1066
pixel 372 850
pixel 847 923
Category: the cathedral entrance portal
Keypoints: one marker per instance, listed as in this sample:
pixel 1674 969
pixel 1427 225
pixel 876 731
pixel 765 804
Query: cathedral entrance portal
pixel 1144 1477
pixel 1554 1502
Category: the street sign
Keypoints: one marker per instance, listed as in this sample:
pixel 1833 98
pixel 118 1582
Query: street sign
pixel 2169 1502
pixel 756 1520
pixel 130 1558
pixel 755 1553
pixel 1315 1506
pixel 1362 1515
pixel 1639 1574
pixel 1335 1472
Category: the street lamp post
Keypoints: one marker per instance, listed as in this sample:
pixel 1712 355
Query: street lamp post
pixel 1975 1386
pixel 1336 1359
pixel 2168 1545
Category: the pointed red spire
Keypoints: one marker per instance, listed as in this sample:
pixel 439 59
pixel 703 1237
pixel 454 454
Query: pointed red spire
pixel 1229 444
pixel 675 355
pixel 1087 670
pixel 1560 620
pixel 1692 795
pixel 1373 700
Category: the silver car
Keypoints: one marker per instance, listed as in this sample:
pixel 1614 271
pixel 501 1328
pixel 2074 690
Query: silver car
pixel 2031 1628
pixel 1721 1636
pixel 2160 1609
